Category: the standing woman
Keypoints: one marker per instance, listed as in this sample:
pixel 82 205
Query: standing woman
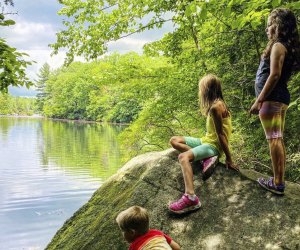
pixel 280 58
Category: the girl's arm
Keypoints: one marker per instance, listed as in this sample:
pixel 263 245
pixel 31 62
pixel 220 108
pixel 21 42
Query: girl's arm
pixel 216 112
pixel 276 62
pixel 174 245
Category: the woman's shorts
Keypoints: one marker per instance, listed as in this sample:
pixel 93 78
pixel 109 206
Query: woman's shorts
pixel 200 151
pixel 272 118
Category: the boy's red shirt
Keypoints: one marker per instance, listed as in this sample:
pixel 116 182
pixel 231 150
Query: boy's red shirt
pixel 152 233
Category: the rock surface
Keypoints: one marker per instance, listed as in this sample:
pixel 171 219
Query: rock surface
pixel 235 214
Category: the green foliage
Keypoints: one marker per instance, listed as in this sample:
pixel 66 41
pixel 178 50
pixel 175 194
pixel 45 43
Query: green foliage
pixel 224 37
pixel 10 105
pixel 5 101
pixel 113 89
pixel 12 67
pixel 67 92
pixel 91 24
pixel 12 62
pixel 40 85
pixel 160 100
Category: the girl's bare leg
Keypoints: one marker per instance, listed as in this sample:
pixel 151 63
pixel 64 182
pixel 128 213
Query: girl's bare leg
pixel 178 143
pixel 184 160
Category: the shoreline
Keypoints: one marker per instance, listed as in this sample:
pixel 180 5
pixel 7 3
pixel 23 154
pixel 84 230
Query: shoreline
pixel 62 119
pixel 22 116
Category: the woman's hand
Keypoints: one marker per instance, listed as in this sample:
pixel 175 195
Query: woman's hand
pixel 255 107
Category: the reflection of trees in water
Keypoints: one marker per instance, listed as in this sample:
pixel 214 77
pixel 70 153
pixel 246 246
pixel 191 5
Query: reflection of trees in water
pixel 8 124
pixel 80 147
pixel 5 124
pixel 42 146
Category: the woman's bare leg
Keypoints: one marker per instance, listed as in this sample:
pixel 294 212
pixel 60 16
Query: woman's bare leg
pixel 277 152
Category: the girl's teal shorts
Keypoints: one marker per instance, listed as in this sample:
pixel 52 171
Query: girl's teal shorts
pixel 200 151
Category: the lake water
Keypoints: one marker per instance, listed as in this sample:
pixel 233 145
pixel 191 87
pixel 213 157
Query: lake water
pixel 48 170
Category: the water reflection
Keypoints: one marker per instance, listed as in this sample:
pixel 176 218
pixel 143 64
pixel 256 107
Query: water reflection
pixel 77 146
pixel 48 170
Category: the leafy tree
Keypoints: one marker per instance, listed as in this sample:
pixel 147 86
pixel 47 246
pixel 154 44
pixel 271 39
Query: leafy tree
pixel 5 107
pixel 12 63
pixel 112 89
pixel 92 24
pixel 10 105
pixel 68 90
pixel 40 85
pixel 224 37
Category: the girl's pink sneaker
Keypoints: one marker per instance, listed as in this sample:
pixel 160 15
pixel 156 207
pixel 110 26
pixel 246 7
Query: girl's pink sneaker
pixel 209 166
pixel 184 204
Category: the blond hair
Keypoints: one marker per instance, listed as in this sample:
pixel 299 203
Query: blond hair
pixel 134 218
pixel 209 91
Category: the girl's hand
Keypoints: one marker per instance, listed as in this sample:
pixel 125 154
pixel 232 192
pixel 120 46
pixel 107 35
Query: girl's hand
pixel 255 107
pixel 229 164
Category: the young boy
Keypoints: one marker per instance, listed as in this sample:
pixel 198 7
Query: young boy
pixel 134 223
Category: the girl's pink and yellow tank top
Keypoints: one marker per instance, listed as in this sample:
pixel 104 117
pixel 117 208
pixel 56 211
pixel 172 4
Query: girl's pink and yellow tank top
pixel 211 134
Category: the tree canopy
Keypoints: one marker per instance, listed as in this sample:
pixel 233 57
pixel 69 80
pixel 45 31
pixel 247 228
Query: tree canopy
pixel 91 24
pixel 12 62
pixel 157 92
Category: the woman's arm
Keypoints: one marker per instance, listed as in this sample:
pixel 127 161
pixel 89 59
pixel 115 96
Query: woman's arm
pixel 216 112
pixel 276 62
pixel 174 245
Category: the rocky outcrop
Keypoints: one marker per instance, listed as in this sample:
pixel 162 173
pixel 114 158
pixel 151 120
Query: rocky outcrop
pixel 235 214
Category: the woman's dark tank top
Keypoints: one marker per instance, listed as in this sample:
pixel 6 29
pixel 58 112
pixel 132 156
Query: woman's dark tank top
pixel 280 92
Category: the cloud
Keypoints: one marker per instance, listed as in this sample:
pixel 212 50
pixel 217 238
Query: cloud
pixel 127 44
pixel 36 27
pixel 41 53
pixel 33 38
pixel 42 56
pixel 25 35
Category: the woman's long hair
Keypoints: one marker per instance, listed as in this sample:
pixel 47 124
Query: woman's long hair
pixel 209 91
pixel 285 31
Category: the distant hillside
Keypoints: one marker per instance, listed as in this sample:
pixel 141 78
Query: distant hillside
pixel 22 91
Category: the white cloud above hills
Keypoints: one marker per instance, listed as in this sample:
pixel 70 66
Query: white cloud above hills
pixel 36 26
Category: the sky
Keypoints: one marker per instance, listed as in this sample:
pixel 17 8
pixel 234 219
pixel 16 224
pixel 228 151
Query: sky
pixel 37 22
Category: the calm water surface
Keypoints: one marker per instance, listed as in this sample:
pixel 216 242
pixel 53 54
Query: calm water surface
pixel 48 170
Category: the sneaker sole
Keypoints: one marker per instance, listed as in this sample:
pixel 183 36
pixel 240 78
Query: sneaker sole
pixel 188 209
pixel 208 173
pixel 271 190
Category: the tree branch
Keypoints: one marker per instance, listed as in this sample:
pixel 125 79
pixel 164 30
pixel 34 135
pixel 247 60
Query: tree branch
pixel 108 7
pixel 149 144
pixel 141 29
pixel 175 118
pixel 163 126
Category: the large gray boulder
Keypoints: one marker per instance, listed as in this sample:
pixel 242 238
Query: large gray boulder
pixel 235 214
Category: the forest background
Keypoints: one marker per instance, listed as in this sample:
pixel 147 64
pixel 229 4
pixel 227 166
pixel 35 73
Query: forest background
pixel 156 93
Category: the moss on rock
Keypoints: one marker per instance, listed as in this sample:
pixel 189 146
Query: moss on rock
pixel 236 213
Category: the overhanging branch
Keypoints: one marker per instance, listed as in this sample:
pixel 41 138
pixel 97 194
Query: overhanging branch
pixel 142 28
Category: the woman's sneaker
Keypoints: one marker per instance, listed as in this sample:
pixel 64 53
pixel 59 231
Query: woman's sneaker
pixel 209 166
pixel 270 185
pixel 184 204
